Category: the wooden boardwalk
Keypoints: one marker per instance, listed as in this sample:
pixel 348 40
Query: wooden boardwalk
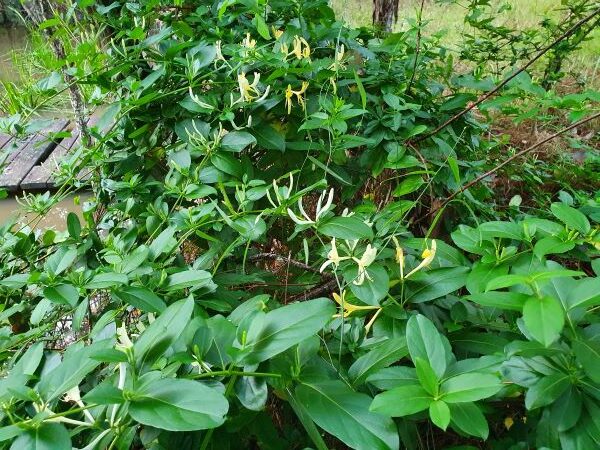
pixel 28 164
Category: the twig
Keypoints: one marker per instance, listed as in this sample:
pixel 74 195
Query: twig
pixel 288 260
pixel 512 158
pixel 487 95
pixel 417 47
pixel 317 291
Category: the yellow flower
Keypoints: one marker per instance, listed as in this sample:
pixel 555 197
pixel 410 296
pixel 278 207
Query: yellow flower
pixel 289 93
pixel 372 321
pixel 300 49
pixel 277 33
pixel 249 91
pixel 428 255
pixel 348 307
pixel 399 256
pixel 337 61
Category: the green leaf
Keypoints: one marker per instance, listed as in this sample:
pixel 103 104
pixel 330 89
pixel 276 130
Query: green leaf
pixel 408 185
pixel 63 294
pixel 262 27
pixel 424 286
pixel 585 294
pixel 513 301
pixel 383 355
pixel 73 225
pixel 107 280
pixel 571 217
pixel 340 411
pixel 372 290
pixel 566 411
pixel 61 260
pixel 285 327
pixel 178 405
pixel 427 377
pixel 48 436
pixel 424 341
pixel 401 401
pixel 439 414
pixel 361 90
pixel 588 355
pixel 165 329
pixel 546 390
pixel 188 279
pixel 76 364
pixel 236 141
pixel 350 228
pixel 15 281
pixel 482 273
pixel 141 298
pixel 551 245
pixel 269 138
pixel 544 319
pixel 470 387
pixel 468 418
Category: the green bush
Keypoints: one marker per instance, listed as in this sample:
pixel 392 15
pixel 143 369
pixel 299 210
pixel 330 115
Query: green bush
pixel 249 273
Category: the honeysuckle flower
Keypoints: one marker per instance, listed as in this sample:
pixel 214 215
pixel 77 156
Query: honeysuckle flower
pixel 249 91
pixel 124 343
pixel 321 209
pixel 427 255
pixel 399 256
pixel 349 308
pixel 365 261
pixel 73 395
pixel 300 48
pixel 248 42
pixel 277 33
pixel 372 321
pixel 281 193
pixel 333 257
pixel 289 93
pixel 219 56
pixel 337 61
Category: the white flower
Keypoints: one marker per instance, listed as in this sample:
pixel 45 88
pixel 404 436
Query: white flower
pixel 249 91
pixel 333 257
pixel 124 342
pixel 365 261
pixel 282 193
pixel 399 256
pixel 321 209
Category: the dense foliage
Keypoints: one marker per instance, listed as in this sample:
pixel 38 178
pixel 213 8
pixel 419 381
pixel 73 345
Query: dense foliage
pixel 266 262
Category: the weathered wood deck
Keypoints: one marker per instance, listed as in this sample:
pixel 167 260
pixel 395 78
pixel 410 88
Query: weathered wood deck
pixel 28 164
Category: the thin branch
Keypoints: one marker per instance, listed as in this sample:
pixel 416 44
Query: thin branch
pixel 417 47
pixel 487 95
pixel 512 158
pixel 287 260
pixel 317 291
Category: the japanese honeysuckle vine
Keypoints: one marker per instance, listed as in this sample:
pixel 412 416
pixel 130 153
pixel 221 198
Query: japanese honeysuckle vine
pixel 247 272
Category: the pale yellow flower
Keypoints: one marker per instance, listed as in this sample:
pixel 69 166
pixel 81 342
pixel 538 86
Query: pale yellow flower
pixel 249 91
pixel 300 48
pixel 248 42
pixel 349 308
pixel 333 257
pixel 427 255
pixel 289 93
pixel 277 33
pixel 365 261
pixel 399 256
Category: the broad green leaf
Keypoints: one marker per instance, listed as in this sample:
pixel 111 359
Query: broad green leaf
pixel 236 141
pixel 340 411
pixel 402 401
pixel 427 377
pixel 16 281
pixel 61 260
pixel 498 229
pixel 551 245
pixel 585 294
pixel 468 418
pixel 141 298
pixel 191 278
pixel 269 138
pixel 482 273
pixel 48 436
pixel 165 329
pixel 350 228
pixel 513 301
pixel 252 392
pixel 285 327
pixel 566 410
pixel 392 377
pixel 178 405
pixel 544 319
pixel 73 225
pixel 107 280
pixel 546 390
pixel 571 217
pixel 428 285
pixel 383 355
pixel 424 341
pixel 440 414
pixel 9 432
pixel 64 294
pixel 76 364
pixel 374 288
pixel 588 355
pixel 469 387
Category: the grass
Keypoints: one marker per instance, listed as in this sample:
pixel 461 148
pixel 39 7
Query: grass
pixel 450 19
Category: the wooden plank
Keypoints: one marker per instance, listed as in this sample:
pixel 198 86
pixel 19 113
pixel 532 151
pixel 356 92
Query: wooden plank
pixel 4 139
pixel 21 162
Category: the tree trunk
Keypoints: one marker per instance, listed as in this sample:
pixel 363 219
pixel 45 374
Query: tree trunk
pixel 39 11
pixel 385 13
